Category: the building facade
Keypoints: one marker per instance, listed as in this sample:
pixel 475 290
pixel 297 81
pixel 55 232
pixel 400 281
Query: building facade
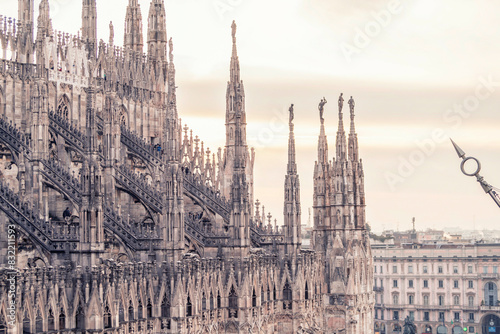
pixel 119 220
pixel 445 288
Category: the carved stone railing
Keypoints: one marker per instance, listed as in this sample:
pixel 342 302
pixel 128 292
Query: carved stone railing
pixel 41 232
pixel 23 71
pixel 63 127
pixel 139 146
pixel 139 187
pixel 265 236
pixel 63 179
pixel 122 229
pixel 194 228
pixel 14 137
pixel 213 199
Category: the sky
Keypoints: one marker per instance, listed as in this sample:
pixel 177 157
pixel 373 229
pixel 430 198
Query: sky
pixel 419 71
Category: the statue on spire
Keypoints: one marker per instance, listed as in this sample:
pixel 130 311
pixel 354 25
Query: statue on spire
pixel 111 33
pixel 341 102
pixel 351 105
pixel 233 31
pixel 321 109
pixel 291 115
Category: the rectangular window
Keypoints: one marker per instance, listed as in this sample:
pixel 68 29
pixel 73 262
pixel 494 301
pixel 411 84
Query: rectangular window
pixel 472 329
pixel 395 283
pixel 471 301
pixel 396 315
pixel 375 281
pixel 455 284
pixel 381 283
pixel 412 315
pixel 426 283
pixel 425 269
pixel 381 271
pixel 441 316
pixel 471 317
pixel 394 269
pixel 469 269
pixel 426 316
pixel 495 270
pixel 455 269
pixel 426 300
pixel 375 269
pixel 441 300
pixel 457 316
pixel 456 300
pixel 410 283
pixel 440 283
pixel 485 270
pixel 376 313
pixel 410 299
pixel 382 314
pixel 440 270
pixel 471 284
pixel 410 269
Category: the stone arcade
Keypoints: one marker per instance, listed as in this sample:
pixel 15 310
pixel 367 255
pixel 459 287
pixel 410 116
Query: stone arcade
pixel 126 223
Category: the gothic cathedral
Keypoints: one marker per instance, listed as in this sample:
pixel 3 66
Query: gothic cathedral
pixel 116 219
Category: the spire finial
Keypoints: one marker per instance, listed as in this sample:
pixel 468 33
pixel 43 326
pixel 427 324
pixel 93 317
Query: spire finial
pixel 460 152
pixel 341 102
pixel 290 122
pixel 351 108
pixel 321 108
pixel 171 49
pixel 233 31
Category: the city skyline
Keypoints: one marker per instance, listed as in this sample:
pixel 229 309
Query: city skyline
pixel 401 98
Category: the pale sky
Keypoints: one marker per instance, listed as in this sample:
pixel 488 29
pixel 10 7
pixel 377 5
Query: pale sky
pixel 414 68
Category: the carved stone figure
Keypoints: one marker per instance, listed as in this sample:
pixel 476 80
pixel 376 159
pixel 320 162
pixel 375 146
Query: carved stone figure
pixel 321 109
pixel 291 114
pixel 341 102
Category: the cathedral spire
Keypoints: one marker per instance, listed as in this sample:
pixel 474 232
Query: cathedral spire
pixel 292 165
pixel 44 24
pixel 157 30
pixel 353 137
pixel 89 24
pixel 291 208
pixel 133 38
pixel 235 63
pixel 341 140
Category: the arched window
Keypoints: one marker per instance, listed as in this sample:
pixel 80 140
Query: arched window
pixel 51 321
pixel 395 299
pixel 62 320
pixel 233 303
pixel 211 301
pixel 130 311
pixel 254 299
pixel 165 307
pixel 306 292
pixel 39 324
pixel 149 309
pixel 287 296
pixel 80 318
pixel 26 324
pixel 274 292
pixel 268 294
pixel 203 302
pixel 218 300
pixel 140 314
pixel 456 300
pixel 63 106
pixel 189 307
pixel 121 314
pixel 107 317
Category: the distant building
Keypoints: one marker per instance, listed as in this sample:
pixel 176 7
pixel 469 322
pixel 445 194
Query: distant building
pixel 445 288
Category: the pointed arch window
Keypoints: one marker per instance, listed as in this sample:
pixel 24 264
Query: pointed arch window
pixel 149 309
pixel 140 311
pixel 254 298
pixel 189 307
pixel 218 300
pixel 165 307
pixel 274 292
pixel 203 302
pixel 80 318
pixel 107 316
pixel 51 320
pixel 63 106
pixel 306 292
pixel 130 311
pixel 211 301
pixel 268 294
pixel 62 319
pixel 39 324
pixel 287 296
pixel 26 324
pixel 233 303
pixel 121 314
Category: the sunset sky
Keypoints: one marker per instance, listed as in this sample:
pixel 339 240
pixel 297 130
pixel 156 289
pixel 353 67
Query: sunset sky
pixel 420 72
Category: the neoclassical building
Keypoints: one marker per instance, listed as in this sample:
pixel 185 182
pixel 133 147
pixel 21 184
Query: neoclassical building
pixel 117 219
